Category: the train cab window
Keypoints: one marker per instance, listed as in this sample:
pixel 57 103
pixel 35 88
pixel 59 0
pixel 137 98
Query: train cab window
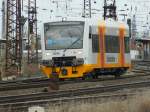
pixel 95 43
pixel 112 44
pixel 127 44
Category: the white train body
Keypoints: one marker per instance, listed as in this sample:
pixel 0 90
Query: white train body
pixel 89 46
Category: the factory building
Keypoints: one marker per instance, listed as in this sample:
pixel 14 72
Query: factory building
pixel 3 19
pixel 143 45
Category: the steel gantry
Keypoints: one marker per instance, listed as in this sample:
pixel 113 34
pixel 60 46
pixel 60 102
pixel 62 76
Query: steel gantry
pixel 32 32
pixel 87 9
pixel 13 37
pixel 110 10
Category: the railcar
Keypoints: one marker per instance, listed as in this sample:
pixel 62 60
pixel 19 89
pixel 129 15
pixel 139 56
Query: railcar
pixel 85 49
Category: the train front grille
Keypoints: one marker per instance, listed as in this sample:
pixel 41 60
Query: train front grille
pixel 63 61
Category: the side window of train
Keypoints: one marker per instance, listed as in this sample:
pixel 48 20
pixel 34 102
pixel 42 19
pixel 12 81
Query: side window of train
pixel 127 44
pixel 95 43
pixel 112 44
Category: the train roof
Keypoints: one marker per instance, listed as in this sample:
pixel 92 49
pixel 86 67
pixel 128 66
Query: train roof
pixel 96 22
pixel 108 23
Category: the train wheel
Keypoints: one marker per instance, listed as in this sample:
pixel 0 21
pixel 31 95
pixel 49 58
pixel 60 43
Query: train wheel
pixel 117 76
pixel 119 73
pixel 61 79
pixel 95 75
pixel 88 76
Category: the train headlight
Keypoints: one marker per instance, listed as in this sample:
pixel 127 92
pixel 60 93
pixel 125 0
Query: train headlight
pixel 48 54
pixel 79 52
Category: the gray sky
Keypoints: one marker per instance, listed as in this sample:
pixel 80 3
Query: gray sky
pixel 48 10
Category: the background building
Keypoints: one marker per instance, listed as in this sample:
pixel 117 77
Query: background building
pixel 2 57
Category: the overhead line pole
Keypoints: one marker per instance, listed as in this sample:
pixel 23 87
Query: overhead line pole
pixel 87 9
pixel 13 37
pixel 32 32
pixel 110 10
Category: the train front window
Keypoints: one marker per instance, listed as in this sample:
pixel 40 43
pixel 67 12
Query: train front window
pixel 64 35
pixel 112 44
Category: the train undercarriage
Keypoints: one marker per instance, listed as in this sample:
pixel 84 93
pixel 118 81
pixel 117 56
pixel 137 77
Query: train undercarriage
pixel 62 71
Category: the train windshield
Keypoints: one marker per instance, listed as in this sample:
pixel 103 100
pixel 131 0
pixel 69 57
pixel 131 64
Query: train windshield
pixel 64 35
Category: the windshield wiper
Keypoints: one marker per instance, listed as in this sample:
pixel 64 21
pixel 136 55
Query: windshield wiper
pixel 71 45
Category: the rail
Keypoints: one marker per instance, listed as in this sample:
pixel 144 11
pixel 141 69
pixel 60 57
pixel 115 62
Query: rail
pixel 29 98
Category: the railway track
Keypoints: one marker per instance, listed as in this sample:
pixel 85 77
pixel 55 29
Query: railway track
pixel 39 83
pixel 43 97
pixel 69 95
pixel 44 82
pixel 143 64
pixel 77 100
pixel 138 71
pixel 23 84
pixel 141 67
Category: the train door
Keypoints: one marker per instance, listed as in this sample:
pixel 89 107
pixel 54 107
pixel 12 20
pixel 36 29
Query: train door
pixel 127 51
pixel 124 47
pixel 111 47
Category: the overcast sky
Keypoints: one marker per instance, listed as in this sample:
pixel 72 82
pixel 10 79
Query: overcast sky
pixel 48 10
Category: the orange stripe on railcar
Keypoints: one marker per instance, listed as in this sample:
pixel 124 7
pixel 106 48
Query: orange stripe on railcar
pixel 102 48
pixel 122 51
